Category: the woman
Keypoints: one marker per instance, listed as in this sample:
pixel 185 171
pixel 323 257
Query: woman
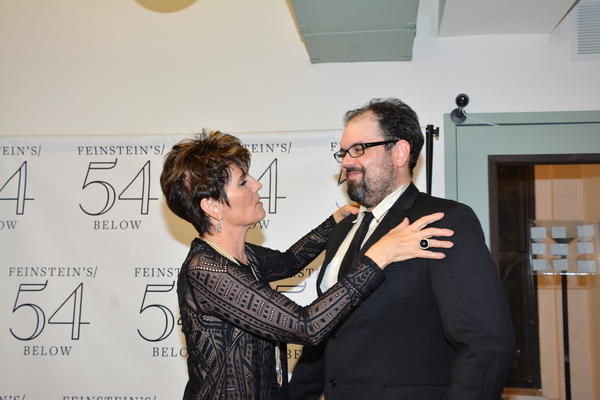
pixel 232 318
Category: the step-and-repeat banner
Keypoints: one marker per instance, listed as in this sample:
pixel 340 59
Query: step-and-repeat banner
pixel 90 254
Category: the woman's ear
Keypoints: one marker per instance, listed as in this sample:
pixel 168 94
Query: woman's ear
pixel 211 207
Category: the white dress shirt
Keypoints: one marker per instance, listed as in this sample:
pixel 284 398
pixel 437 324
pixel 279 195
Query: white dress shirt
pixel 331 273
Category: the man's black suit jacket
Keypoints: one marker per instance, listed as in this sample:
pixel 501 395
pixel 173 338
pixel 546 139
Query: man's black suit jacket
pixel 435 329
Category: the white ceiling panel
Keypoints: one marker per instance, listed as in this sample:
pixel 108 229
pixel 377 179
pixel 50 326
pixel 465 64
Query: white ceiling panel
pixel 501 17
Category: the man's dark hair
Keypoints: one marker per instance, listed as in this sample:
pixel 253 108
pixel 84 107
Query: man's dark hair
pixel 396 121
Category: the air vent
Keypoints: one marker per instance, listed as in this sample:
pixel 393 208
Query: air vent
pixel 585 31
pixel 357 30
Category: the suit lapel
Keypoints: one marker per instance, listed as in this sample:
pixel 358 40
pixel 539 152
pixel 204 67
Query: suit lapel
pixel 394 216
pixel 338 234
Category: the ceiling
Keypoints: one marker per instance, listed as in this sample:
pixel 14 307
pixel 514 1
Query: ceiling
pixel 384 30
pixel 499 17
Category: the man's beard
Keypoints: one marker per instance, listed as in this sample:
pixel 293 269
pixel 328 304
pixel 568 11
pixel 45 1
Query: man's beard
pixel 369 192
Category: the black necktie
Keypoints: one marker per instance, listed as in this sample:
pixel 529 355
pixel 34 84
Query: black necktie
pixel 354 247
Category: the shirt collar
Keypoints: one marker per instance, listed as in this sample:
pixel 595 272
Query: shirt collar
pixel 384 206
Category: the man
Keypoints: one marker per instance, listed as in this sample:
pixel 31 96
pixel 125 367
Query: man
pixel 435 329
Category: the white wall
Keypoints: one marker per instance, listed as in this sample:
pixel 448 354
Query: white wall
pixel 113 67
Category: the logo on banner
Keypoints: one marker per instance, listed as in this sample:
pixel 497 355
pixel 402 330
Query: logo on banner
pixel 108 185
pixel 268 147
pixel 333 147
pixel 269 180
pixel 15 189
pixel 68 313
pixel 154 291
pixel 138 189
pixel 163 319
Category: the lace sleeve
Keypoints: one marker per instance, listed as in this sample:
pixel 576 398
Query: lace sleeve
pixel 275 265
pixel 212 285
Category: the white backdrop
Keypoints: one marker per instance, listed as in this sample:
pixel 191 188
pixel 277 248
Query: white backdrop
pixel 91 253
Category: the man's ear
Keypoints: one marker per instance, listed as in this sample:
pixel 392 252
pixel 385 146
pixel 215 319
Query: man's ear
pixel 211 207
pixel 402 153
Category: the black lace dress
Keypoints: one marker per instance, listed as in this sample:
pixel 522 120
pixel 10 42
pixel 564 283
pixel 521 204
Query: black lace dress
pixel 232 319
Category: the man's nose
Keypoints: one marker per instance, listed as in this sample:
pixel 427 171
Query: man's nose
pixel 347 160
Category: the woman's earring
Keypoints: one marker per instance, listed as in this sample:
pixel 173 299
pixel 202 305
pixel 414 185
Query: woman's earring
pixel 219 226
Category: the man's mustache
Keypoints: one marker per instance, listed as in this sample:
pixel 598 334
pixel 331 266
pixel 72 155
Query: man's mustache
pixel 349 170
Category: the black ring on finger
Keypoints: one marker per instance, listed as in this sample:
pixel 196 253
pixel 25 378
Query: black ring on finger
pixel 424 244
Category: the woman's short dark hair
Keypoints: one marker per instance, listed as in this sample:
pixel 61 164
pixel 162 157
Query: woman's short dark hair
pixel 199 168
pixel 396 121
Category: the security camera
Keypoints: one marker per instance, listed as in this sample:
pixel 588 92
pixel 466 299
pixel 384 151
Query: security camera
pixel 462 100
pixel 458 116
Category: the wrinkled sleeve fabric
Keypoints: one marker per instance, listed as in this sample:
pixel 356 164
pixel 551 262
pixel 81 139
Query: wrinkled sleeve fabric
pixel 276 265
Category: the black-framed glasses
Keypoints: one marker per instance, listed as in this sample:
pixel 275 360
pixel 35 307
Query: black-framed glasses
pixel 359 149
